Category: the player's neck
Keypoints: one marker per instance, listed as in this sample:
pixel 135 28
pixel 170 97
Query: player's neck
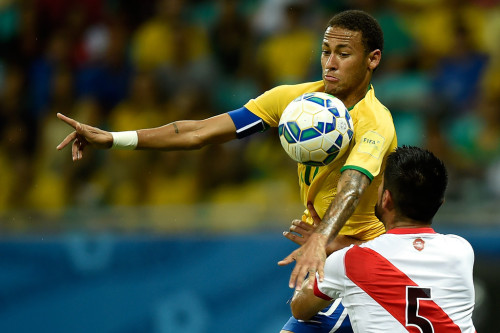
pixel 353 98
pixel 406 223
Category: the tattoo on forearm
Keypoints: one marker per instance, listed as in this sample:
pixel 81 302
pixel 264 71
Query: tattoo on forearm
pixel 352 185
pixel 175 128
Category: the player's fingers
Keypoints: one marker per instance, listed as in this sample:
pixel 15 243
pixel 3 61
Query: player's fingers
pixel 77 149
pixel 298 275
pixel 81 129
pixel 81 145
pixel 310 280
pixel 298 225
pixel 300 230
pixel 293 228
pixel 312 211
pixel 285 261
pixel 306 226
pixel 67 120
pixel 74 150
pixel 321 271
pixel 68 139
pixel 294 238
pixel 288 259
pixel 314 214
pixel 293 278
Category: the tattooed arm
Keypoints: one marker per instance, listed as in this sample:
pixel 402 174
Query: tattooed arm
pixel 311 256
pixel 180 135
pixel 352 184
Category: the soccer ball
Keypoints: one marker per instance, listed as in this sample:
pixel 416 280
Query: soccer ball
pixel 315 129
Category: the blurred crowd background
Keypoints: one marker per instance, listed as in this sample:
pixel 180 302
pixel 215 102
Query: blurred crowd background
pixel 123 65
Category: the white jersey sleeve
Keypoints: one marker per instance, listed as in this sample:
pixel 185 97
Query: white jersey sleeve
pixel 333 285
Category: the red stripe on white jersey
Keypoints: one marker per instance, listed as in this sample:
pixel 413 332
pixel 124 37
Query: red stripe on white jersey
pixel 388 286
pixel 318 292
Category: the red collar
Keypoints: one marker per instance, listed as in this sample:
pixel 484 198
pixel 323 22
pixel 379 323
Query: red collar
pixel 404 231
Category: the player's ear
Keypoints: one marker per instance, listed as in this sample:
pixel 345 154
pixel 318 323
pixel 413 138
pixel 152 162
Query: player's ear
pixel 374 59
pixel 387 202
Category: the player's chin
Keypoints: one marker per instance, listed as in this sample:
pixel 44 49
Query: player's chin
pixel 331 88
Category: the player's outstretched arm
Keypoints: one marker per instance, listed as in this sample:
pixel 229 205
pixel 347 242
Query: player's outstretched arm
pixel 180 135
pixel 310 257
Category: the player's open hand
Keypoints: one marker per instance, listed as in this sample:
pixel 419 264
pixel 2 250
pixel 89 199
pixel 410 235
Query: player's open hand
pixel 310 256
pixel 83 136
pixel 300 231
pixel 309 259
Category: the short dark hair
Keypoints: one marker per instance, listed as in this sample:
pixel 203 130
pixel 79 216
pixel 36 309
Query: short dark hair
pixel 358 20
pixel 417 181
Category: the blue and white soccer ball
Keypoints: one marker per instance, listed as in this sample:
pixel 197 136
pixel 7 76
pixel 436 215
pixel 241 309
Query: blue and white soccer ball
pixel 315 129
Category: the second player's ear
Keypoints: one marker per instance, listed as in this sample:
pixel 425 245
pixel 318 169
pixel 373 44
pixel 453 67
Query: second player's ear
pixel 387 202
pixel 374 59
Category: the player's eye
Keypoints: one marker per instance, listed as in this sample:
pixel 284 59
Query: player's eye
pixel 325 52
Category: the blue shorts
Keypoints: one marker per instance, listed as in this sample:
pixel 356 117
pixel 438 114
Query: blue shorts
pixel 331 319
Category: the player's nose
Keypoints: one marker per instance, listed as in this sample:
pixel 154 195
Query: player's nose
pixel 331 63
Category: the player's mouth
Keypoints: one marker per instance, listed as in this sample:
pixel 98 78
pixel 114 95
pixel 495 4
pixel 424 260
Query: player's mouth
pixel 331 78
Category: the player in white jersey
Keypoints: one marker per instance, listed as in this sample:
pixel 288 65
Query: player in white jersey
pixel 410 279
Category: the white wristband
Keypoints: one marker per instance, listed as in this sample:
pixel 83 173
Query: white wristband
pixel 125 140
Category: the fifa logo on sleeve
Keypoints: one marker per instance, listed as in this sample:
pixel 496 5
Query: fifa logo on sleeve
pixel 371 143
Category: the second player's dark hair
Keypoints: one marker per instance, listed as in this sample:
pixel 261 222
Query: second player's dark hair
pixel 358 20
pixel 417 181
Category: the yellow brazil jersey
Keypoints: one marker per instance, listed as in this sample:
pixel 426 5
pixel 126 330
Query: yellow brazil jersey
pixel 374 138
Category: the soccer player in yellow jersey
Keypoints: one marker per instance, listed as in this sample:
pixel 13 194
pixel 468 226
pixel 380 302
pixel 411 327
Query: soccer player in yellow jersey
pixel 343 193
